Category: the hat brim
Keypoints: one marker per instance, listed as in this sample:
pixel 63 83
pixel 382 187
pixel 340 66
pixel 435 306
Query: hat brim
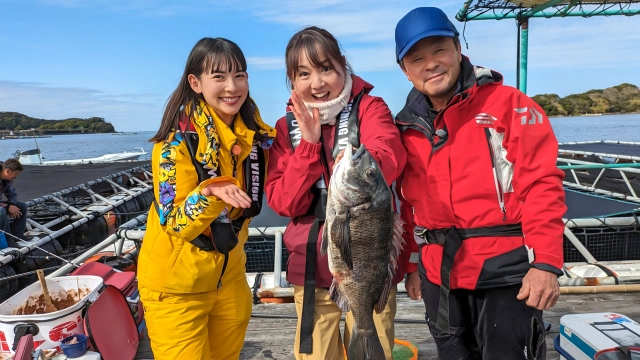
pixel 421 36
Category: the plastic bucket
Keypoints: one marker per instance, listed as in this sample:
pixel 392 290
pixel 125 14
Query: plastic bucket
pixel 74 350
pixel 47 329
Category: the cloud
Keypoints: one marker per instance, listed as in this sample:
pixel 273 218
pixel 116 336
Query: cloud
pixel 127 112
pixel 359 21
pixel 146 8
pixel 267 63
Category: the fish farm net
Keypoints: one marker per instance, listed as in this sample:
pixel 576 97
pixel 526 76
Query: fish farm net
pixel 606 243
pixel 260 252
pixel 586 8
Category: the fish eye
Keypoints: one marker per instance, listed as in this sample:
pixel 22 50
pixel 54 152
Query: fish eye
pixel 371 172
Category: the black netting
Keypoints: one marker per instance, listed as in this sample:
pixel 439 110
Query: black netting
pixel 260 252
pixel 605 243
pixel 585 7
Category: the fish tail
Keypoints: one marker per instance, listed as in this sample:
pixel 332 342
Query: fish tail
pixel 365 345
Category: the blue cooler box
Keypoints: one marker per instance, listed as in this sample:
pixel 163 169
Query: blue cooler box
pixel 584 335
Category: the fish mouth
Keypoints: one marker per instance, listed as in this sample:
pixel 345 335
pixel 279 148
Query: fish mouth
pixel 358 154
pixel 346 193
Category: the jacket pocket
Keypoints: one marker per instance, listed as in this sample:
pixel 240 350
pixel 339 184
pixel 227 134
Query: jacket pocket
pixel 173 258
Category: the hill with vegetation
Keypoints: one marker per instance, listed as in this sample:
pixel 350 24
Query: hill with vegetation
pixel 13 121
pixel 624 98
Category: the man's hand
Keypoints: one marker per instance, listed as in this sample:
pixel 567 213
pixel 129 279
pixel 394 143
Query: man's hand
pixel 540 288
pixel 14 211
pixel 309 125
pixel 229 193
pixel 412 284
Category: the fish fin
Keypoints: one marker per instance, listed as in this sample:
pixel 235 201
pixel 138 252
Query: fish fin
pixel 396 243
pixel 384 295
pixel 341 236
pixel 334 295
pixel 365 345
pixel 324 240
pixel 396 247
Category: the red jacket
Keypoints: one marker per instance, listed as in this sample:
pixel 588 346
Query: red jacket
pixel 291 174
pixel 453 184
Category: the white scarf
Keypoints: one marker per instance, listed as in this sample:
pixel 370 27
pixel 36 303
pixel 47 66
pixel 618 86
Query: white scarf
pixel 330 109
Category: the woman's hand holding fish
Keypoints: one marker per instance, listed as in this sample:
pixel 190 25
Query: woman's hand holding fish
pixel 229 193
pixel 338 158
pixel 309 126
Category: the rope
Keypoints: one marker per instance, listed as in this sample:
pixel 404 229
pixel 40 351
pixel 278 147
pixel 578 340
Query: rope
pixel 37 247
pixel 131 213
pixel 410 346
pixel 10 277
pixel 66 256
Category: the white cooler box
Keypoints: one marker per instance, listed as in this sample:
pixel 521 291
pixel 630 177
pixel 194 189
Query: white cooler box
pixel 582 336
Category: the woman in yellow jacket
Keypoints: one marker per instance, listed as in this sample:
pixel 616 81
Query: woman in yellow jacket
pixel 208 170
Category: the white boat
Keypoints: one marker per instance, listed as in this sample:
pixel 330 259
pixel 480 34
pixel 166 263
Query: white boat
pixel 34 157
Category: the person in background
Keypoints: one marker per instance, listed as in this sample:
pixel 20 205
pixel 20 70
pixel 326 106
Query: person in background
pixel 12 209
pixel 481 194
pixel 329 106
pixel 209 163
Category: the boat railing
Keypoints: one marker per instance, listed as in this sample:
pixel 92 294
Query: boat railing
pixel 80 215
pixel 126 231
pixel 606 234
pixel 271 284
pixel 624 169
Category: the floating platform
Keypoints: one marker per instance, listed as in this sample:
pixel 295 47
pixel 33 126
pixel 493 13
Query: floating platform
pixel 271 337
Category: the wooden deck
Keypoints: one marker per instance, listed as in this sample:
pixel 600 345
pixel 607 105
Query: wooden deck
pixel 272 329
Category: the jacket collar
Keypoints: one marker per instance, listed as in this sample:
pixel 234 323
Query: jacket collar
pixel 418 106
pixel 357 86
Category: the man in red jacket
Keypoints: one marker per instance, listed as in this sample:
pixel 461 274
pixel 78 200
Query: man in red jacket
pixel 481 196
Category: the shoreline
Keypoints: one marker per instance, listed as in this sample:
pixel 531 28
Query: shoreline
pixel 592 115
pixel 44 136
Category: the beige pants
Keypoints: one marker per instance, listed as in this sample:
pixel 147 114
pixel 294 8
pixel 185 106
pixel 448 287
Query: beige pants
pixel 327 343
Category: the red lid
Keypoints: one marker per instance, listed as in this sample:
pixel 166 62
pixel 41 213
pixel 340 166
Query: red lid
pixel 121 280
pixel 110 326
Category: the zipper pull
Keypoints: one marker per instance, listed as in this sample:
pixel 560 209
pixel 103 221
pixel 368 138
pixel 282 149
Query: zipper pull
pixel 504 213
pixel 219 284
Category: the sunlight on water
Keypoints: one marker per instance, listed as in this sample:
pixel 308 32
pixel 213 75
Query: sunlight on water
pixel 605 127
pixel 67 147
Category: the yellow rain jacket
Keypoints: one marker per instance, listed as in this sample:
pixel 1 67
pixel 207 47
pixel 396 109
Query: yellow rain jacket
pixel 168 262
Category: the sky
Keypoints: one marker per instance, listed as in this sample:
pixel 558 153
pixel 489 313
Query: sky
pixel 122 59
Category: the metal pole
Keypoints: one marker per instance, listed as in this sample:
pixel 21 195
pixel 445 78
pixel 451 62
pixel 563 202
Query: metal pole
pixel 551 14
pixel 277 260
pixel 69 267
pixel 97 248
pixel 518 60
pixel 523 52
pixel 461 15
pixel 599 166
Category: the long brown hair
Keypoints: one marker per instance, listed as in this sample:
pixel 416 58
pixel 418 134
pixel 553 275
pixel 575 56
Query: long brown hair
pixel 209 55
pixel 318 45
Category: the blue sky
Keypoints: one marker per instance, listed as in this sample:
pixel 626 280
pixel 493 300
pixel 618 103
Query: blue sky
pixel 121 59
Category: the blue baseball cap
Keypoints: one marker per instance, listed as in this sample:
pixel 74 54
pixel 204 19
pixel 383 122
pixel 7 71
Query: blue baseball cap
pixel 421 23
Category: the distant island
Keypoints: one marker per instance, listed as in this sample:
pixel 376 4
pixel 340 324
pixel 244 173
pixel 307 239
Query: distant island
pixel 621 99
pixel 16 124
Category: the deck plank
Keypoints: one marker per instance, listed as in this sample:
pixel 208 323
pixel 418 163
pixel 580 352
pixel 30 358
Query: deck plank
pixel 272 338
